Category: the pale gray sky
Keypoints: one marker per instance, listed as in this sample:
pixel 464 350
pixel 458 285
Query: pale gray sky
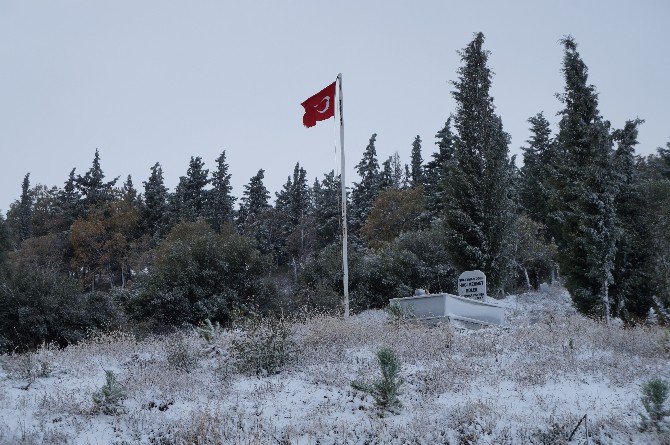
pixel 148 81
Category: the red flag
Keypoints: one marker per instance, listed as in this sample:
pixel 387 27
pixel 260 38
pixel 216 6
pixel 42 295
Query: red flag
pixel 319 107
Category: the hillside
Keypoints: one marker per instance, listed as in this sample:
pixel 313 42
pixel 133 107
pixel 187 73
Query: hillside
pixel 528 382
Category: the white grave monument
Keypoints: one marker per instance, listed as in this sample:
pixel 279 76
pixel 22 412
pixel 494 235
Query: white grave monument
pixel 467 309
pixel 472 284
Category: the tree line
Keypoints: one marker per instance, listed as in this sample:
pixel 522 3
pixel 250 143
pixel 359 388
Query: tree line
pixel 583 208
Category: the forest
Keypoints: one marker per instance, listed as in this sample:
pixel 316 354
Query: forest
pixel 583 209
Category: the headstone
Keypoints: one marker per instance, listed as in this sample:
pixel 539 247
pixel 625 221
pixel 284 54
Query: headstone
pixel 472 284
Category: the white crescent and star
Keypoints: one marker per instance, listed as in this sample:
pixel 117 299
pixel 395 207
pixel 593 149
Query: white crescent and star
pixel 327 99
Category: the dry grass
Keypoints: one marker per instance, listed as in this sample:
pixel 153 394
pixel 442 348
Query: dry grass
pixel 524 383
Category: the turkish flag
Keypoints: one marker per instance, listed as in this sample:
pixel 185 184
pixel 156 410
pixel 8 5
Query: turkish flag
pixel 319 107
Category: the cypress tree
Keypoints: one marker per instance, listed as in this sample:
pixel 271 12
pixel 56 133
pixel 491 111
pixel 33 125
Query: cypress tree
pixel 25 210
pixel 254 200
pixel 192 193
pixel 5 245
pixel 365 191
pixel 417 163
pixel 437 170
pixel 479 210
pixel 155 203
pixel 664 160
pixel 386 175
pixel 397 171
pixel 220 201
pixel 327 209
pixel 583 217
pixel 129 193
pixel 632 287
pixel 534 191
pixel 69 200
pixel 257 219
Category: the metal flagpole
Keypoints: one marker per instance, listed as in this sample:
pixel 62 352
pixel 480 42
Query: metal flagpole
pixel 345 260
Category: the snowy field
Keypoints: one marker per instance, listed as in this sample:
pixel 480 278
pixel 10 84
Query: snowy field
pixel 527 383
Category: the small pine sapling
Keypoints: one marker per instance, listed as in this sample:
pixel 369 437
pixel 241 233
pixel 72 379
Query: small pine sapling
pixel 654 394
pixel 208 330
pixel 108 399
pixel 386 390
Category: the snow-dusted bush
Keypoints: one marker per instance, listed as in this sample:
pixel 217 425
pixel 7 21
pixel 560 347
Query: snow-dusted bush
pixel 181 355
pixel 202 274
pixel 264 346
pixel 40 305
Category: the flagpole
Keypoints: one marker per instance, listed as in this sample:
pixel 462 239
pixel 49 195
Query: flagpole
pixel 345 260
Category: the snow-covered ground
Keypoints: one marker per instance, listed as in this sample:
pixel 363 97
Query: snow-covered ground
pixel 526 383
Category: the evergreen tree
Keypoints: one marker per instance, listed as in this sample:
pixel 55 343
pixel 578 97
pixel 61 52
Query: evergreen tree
pixel 5 245
pixel 633 283
pixel 294 207
pixel 94 190
pixel 437 170
pixel 417 163
pixel 386 175
pixel 129 193
pixel 479 209
pixel 365 191
pixel 397 171
pixel 391 175
pixel 534 190
pixel 664 160
pixel 155 203
pixel 258 219
pixel 255 198
pixel 300 200
pixel 220 201
pixel 69 200
pixel 583 218
pixel 25 210
pixel 327 196
pixel 191 196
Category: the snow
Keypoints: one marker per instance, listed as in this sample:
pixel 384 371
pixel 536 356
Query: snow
pixel 532 378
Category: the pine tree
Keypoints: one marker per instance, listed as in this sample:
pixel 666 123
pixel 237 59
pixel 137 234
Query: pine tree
pixel 220 201
pixel 479 209
pixel 365 191
pixel 534 190
pixel 417 163
pixel 25 210
pixel 94 190
pixel 583 218
pixel 155 203
pixel 437 171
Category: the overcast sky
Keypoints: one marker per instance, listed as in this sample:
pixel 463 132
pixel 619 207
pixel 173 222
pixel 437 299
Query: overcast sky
pixel 147 81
